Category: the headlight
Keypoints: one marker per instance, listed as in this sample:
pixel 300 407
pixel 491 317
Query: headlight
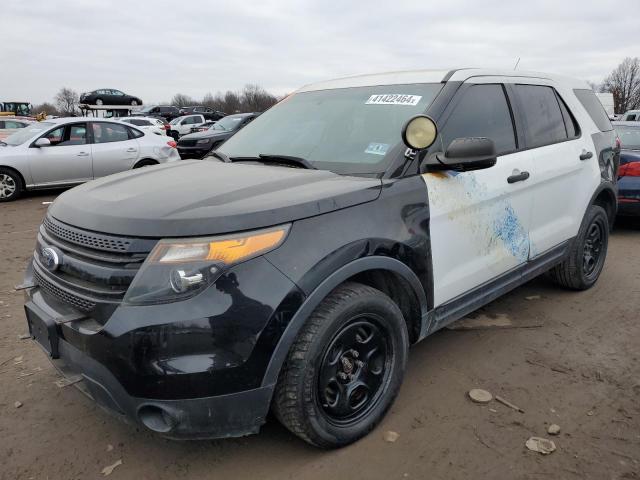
pixel 177 269
pixel 204 141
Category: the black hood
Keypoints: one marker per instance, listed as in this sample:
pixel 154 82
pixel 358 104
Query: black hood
pixel 207 197
pixel 206 134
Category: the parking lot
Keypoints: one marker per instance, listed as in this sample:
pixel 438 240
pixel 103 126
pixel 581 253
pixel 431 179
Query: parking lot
pixel 563 357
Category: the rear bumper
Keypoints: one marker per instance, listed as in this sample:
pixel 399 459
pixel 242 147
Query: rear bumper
pixel 628 208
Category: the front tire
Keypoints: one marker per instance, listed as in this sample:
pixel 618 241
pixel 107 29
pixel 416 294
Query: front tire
pixel 134 102
pixel 99 102
pixel 344 369
pixel 10 185
pixel 582 267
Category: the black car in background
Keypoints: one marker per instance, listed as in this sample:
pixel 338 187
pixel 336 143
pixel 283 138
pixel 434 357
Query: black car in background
pixel 166 112
pixel 108 96
pixel 197 145
pixel 206 112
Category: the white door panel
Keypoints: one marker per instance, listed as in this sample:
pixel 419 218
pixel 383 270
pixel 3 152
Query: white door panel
pixel 114 157
pixel 479 224
pixel 60 164
pixel 564 185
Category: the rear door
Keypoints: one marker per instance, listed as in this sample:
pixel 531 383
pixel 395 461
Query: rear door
pixel 479 220
pixel 67 160
pixel 114 148
pixel 562 175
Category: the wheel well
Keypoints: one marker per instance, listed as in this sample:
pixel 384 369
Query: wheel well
pixel 23 183
pixel 400 291
pixel 607 200
pixel 144 162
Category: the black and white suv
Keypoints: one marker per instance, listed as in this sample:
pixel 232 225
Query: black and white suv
pixel 292 268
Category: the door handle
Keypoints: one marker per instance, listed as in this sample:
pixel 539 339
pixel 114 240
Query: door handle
pixel 518 177
pixel 585 155
pixel 83 154
pixel 131 150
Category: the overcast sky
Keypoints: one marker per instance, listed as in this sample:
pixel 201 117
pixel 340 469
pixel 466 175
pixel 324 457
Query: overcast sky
pixel 156 48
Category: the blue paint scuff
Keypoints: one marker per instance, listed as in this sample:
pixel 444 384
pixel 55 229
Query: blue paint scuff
pixel 508 229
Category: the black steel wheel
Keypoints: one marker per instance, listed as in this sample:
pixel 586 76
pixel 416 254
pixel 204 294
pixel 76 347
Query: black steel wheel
pixel 354 370
pixel 345 367
pixel 585 260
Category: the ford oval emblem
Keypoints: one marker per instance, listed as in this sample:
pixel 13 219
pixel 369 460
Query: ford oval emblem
pixel 51 258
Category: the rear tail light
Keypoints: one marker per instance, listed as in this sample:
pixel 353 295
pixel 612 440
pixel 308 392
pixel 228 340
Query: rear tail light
pixel 631 169
pixel 165 127
pixel 618 143
pixel 172 144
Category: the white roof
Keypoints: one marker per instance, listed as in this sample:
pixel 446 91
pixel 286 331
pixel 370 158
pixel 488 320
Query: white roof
pixel 63 120
pixel 436 76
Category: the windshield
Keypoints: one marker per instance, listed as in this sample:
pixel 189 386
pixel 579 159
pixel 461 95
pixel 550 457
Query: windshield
pixel 227 123
pixel 24 134
pixel 348 130
pixel 146 109
pixel 629 137
pixel 177 120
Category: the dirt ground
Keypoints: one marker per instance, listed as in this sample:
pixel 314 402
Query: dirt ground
pixel 572 359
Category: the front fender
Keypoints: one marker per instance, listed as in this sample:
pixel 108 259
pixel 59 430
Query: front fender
pixel 320 293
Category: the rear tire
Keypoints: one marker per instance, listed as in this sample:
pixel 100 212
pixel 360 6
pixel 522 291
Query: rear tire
pixel 10 185
pixel 583 265
pixel 344 369
pixel 134 102
pixel 99 101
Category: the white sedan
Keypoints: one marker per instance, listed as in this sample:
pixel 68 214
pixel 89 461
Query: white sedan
pixel 69 151
pixel 148 124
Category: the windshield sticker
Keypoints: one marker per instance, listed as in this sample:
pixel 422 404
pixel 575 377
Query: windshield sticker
pixel 377 148
pixel 394 99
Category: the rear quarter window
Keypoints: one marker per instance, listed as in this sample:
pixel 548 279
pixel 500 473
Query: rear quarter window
pixel 594 108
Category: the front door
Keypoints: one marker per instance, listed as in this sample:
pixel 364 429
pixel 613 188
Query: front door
pixel 479 220
pixel 67 160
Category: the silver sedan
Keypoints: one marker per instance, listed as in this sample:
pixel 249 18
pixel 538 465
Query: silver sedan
pixel 69 151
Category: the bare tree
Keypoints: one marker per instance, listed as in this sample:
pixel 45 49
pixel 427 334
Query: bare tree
pixel 232 102
pixel 67 101
pixel 45 107
pixel 624 83
pixel 182 100
pixel 256 99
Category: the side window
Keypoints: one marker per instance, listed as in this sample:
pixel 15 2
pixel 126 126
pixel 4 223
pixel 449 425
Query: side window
pixel 135 133
pixel 109 132
pixel 482 112
pixel 542 115
pixel 75 135
pixel 631 117
pixel 570 123
pixel 594 108
pixel 55 136
pixel 2 124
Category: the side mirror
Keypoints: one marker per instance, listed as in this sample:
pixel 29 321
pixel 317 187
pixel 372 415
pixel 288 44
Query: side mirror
pixel 42 142
pixel 419 132
pixel 464 155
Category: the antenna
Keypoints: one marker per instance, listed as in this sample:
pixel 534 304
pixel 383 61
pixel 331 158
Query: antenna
pixel 516 65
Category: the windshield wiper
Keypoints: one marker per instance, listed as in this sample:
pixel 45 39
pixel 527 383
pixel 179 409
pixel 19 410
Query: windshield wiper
pixel 287 160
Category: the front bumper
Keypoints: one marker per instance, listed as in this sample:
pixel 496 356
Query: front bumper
pixel 166 368
pixel 193 152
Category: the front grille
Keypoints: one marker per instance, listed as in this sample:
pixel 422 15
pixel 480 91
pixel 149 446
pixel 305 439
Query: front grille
pixel 187 143
pixel 87 239
pixel 95 271
pixel 62 295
